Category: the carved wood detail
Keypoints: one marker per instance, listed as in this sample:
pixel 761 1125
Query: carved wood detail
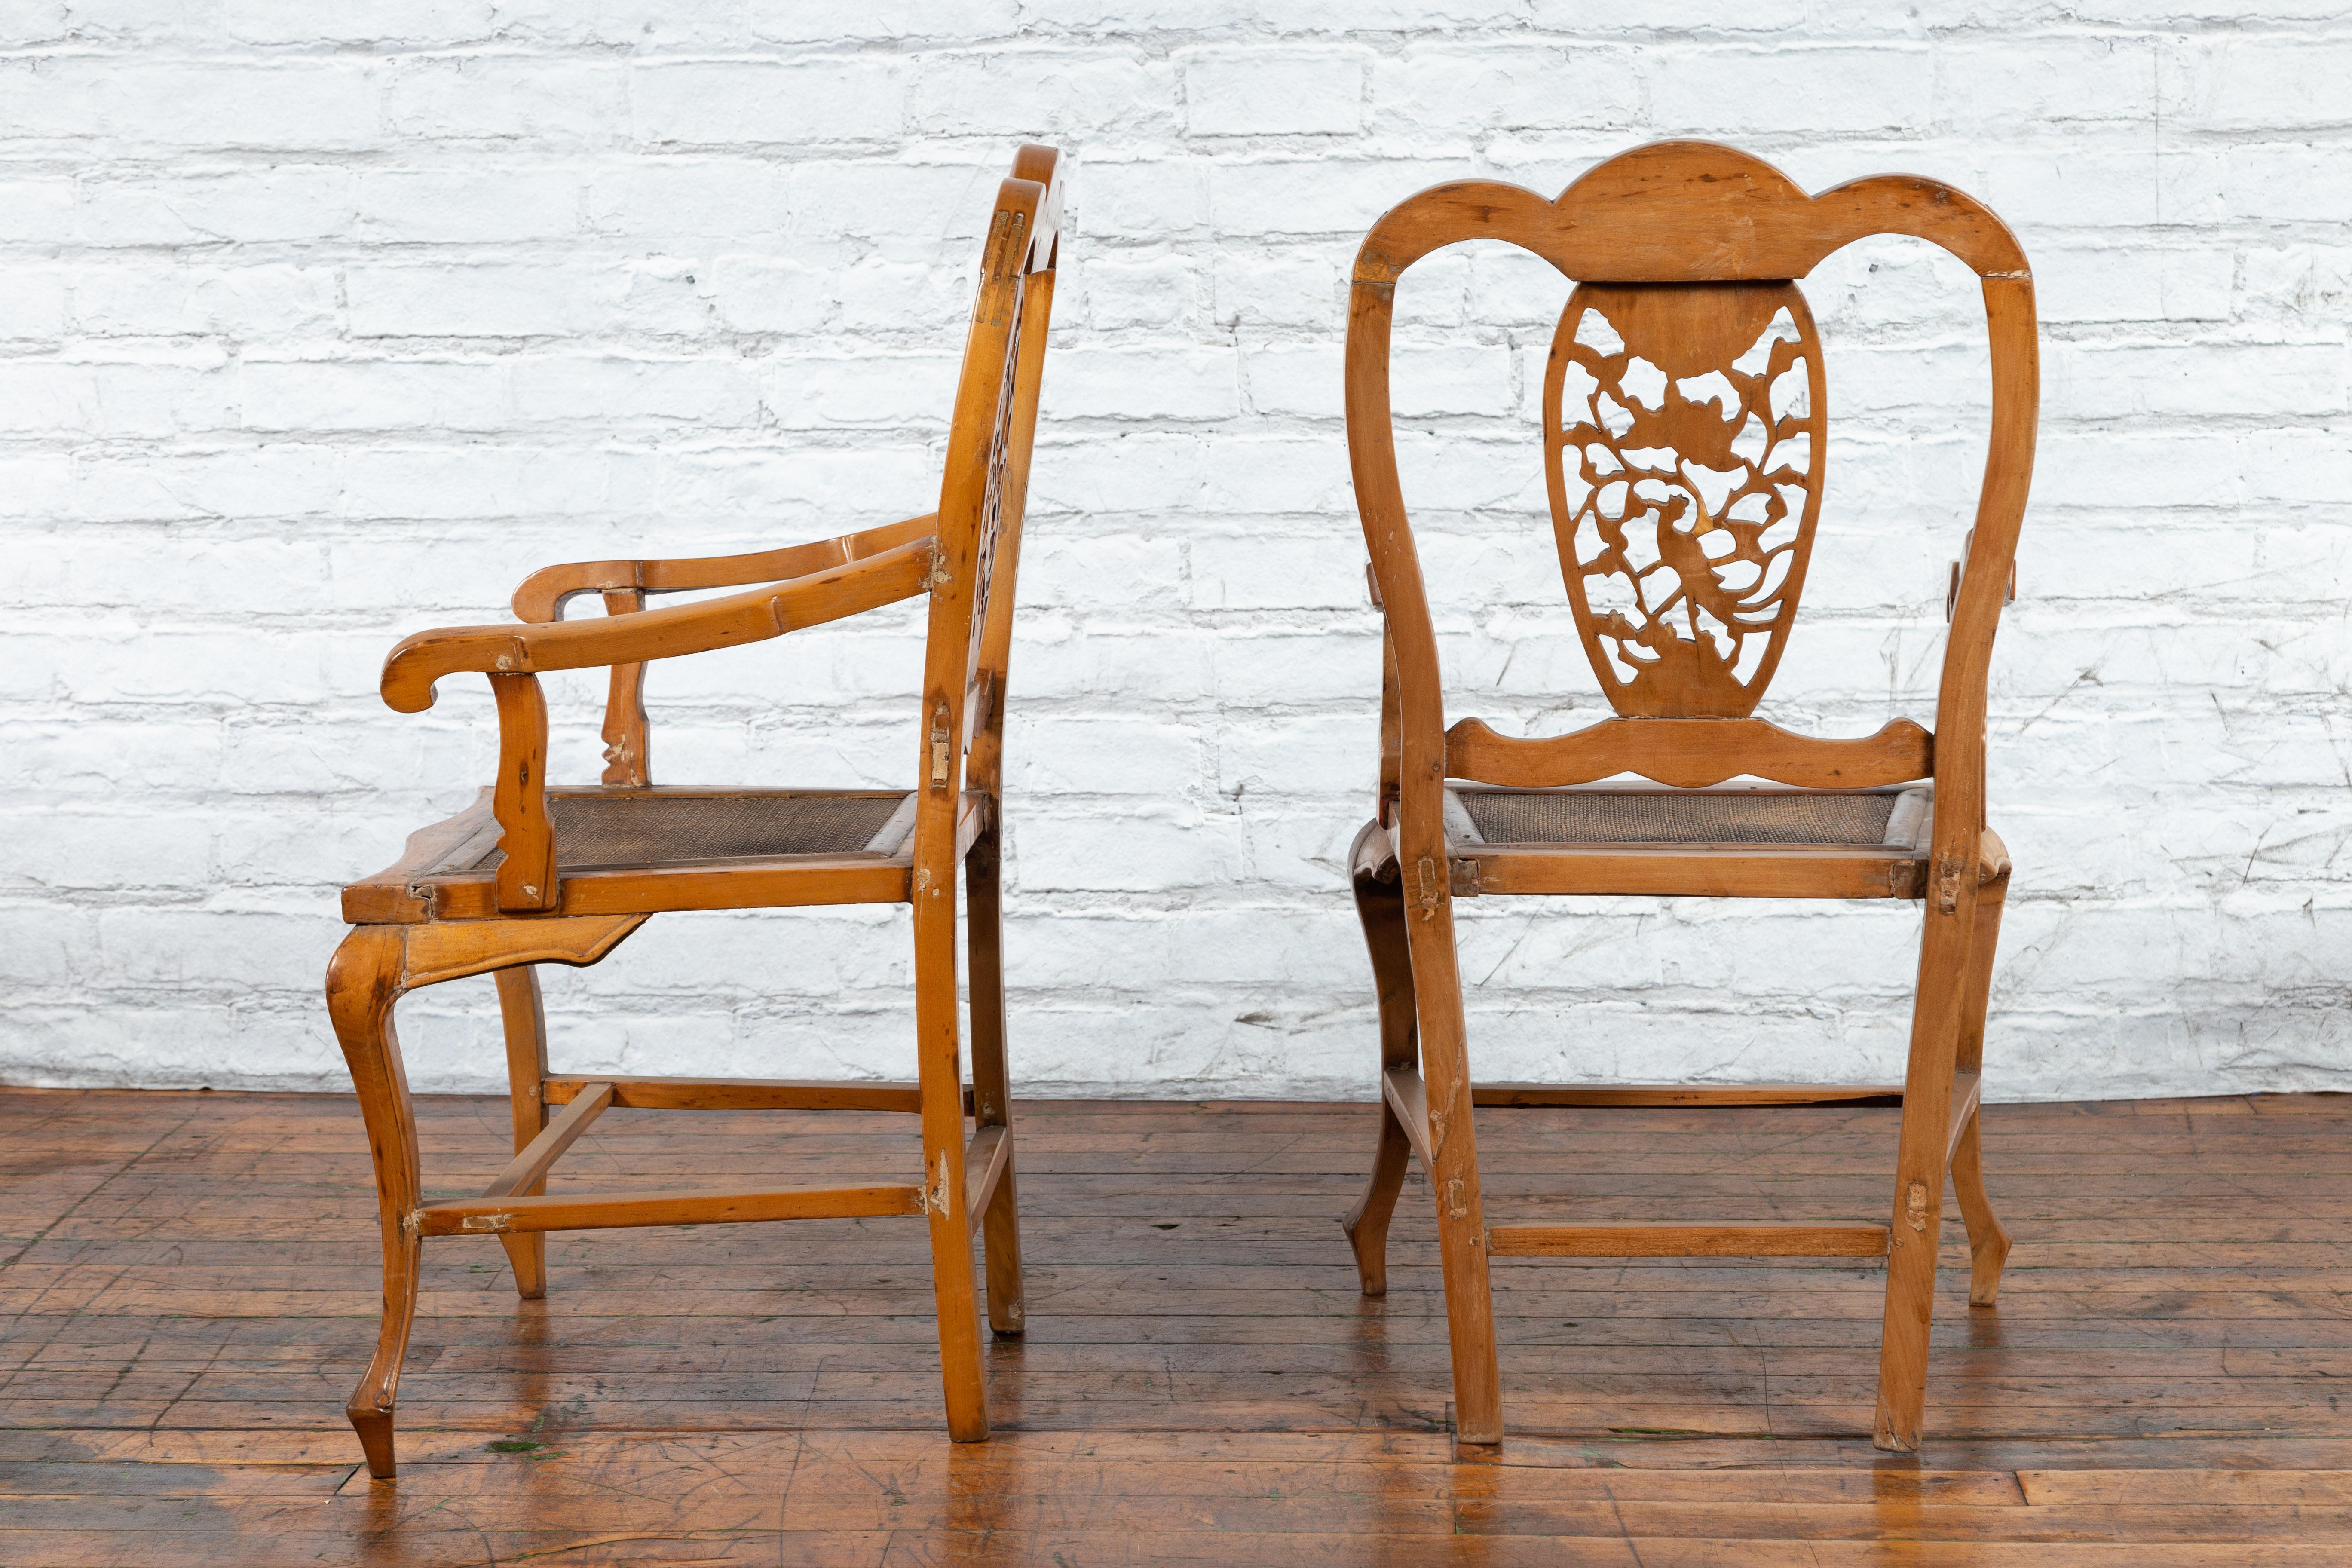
pixel 1683 432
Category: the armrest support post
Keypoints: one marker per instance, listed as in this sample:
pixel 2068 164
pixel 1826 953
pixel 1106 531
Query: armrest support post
pixel 525 879
pixel 628 732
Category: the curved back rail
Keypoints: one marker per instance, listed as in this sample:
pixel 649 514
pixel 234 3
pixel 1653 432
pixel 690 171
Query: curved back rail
pixel 1672 244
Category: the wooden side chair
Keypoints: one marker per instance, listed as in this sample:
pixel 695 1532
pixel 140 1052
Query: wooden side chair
pixel 1683 417
pixel 532 874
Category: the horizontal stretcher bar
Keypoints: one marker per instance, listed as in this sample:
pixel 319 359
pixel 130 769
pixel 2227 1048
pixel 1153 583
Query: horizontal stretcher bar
pixel 1638 1239
pixel 745 1094
pixel 613 1211
pixel 1852 1094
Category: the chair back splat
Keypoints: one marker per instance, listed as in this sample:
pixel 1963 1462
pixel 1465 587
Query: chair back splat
pixel 1685 413
pixel 534 873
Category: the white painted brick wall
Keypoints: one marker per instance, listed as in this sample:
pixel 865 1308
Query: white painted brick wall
pixel 319 324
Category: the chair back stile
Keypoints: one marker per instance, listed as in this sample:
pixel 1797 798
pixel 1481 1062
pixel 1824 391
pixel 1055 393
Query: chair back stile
pixel 1683 254
pixel 982 500
pixel 984 720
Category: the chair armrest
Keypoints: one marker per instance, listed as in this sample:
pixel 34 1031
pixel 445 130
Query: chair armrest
pixel 543 594
pixel 418 661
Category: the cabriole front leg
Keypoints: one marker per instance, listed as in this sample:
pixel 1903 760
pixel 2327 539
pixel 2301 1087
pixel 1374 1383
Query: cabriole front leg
pixel 363 982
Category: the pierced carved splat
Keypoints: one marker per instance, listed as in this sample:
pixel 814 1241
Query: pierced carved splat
pixel 1684 428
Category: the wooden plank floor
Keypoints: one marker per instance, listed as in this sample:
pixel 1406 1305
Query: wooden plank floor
pixel 189 1291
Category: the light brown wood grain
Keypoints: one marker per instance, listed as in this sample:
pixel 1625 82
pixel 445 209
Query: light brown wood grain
pixel 749 883
pixel 1659 1239
pixel 1677 212
pixel 491 1215
pixel 522 1015
pixel 629 731
pixel 1408 1101
pixel 1690 753
pixel 420 660
pixel 741 1093
pixel 985 1167
pixel 483 893
pixel 1684 247
pixel 1710 1094
pixel 529 1169
pixel 543 595
pixel 1711 871
pixel 525 879
pixel 451 950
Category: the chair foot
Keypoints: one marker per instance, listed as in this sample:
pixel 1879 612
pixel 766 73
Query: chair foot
pixel 374 1428
pixel 1000 1230
pixel 1367 1225
pixel 1988 1242
pixel 1372 1254
pixel 372 1402
pixel 1984 1261
pixel 528 1256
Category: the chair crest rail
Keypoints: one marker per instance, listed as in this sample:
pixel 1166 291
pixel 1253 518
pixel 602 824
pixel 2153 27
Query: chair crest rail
pixel 1643 217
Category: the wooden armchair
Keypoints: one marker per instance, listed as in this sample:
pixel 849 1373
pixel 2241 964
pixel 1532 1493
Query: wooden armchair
pixel 1685 418
pixel 533 874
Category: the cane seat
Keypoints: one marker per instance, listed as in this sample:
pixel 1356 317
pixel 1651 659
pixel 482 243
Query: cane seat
pixel 599 828
pixel 1825 819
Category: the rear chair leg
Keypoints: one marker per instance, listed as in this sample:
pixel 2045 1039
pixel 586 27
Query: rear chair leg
pixel 362 983
pixel 526 1031
pixel 1920 1171
pixel 1379 906
pixel 991 1094
pixel 1988 1242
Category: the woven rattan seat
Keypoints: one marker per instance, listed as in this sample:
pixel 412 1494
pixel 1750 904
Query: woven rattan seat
pixel 666 829
pixel 1676 816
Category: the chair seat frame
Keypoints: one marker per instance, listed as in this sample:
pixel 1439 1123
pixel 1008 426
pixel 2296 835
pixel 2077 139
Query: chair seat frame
pixel 448 910
pixel 1671 215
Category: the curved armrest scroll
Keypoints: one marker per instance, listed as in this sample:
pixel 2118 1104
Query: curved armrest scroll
pixel 420 660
